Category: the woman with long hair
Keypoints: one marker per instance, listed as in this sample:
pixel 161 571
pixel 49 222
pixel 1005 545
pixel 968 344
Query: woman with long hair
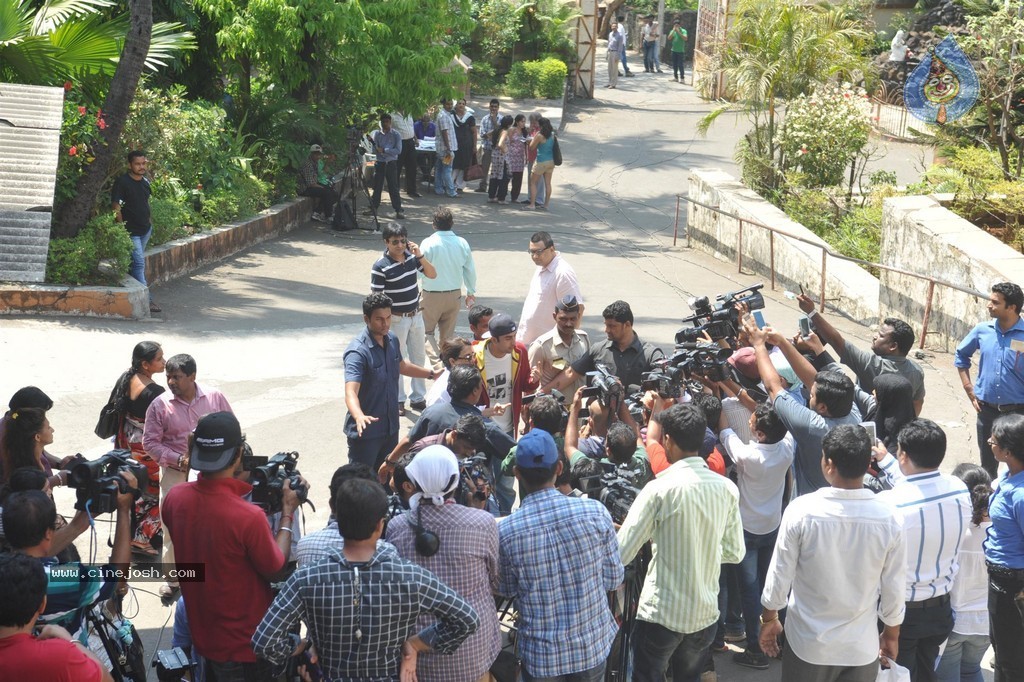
pixel 894 408
pixel 28 432
pixel 138 390
pixel 465 135
pixel 517 155
pixel 500 176
pixel 1004 550
pixel 544 143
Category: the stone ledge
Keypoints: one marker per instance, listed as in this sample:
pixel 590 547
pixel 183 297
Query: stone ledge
pixel 163 263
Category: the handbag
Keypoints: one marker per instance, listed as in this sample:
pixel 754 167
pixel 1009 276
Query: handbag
pixel 556 153
pixel 109 422
pixel 475 171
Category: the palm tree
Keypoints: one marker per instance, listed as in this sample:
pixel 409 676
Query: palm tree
pixel 61 40
pixel 776 51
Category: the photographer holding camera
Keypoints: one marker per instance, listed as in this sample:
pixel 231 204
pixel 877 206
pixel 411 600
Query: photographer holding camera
pixel 622 445
pixel 692 516
pixel 29 518
pixel 212 524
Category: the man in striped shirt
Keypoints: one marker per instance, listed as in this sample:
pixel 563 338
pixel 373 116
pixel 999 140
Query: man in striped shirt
pixel 935 510
pixel 394 274
pixel 692 517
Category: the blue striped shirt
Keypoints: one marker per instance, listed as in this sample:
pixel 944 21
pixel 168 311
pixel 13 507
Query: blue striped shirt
pixel 558 556
pixel 398 281
pixel 935 511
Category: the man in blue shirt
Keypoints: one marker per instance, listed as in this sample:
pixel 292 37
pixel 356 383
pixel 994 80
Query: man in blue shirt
pixel 442 295
pixel 558 556
pixel 387 144
pixel 373 361
pixel 999 387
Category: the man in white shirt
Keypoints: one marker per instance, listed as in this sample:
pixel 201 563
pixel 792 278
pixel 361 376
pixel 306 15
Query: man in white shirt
pixel 935 510
pixel 407 159
pixel 761 467
pixel 553 280
pixel 555 351
pixel 446 146
pixel 838 565
pixel 625 44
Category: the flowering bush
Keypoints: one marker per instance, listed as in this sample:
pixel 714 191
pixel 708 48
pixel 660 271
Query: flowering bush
pixel 79 134
pixel 824 132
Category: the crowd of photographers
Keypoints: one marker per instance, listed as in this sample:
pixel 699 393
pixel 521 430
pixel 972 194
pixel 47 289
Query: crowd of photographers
pixel 737 487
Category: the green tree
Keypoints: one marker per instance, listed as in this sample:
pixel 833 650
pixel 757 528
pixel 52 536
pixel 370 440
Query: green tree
pixel 776 51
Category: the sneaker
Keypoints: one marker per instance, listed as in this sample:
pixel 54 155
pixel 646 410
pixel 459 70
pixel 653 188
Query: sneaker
pixel 399 215
pixel 317 217
pixel 740 636
pixel 154 308
pixel 751 659
pixel 722 648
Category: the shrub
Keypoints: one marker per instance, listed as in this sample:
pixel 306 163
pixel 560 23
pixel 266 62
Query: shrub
pixel 76 260
pixel 219 207
pixel 171 220
pixel 544 79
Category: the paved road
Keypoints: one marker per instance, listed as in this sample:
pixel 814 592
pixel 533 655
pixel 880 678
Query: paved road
pixel 268 327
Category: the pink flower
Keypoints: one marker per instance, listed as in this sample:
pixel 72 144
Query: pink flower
pixel 67 86
pixel 101 123
pixel 81 111
pixel 73 151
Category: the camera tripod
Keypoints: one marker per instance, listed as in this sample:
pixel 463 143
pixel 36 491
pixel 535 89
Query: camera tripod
pixel 353 184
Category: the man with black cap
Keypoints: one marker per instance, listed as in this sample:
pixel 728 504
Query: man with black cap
pixel 211 524
pixel 554 351
pixel 558 557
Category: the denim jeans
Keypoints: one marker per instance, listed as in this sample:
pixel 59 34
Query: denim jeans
pixel 753 570
pixel 656 648
pixel 1006 625
pixel 371 451
pixel 649 49
pixel 411 336
pixel 138 266
pixel 730 604
pixel 961 659
pixel 625 66
pixel 921 635
pixel 504 491
pixel 595 674
pixel 678 65
pixel 443 183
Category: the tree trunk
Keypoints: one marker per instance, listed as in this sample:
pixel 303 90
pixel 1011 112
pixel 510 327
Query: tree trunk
pixel 609 14
pixel 123 85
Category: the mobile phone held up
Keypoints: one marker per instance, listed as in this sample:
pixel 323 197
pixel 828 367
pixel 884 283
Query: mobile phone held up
pixel 758 318
pixel 805 326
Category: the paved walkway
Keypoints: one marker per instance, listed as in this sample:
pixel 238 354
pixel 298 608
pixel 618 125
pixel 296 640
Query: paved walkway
pixel 268 327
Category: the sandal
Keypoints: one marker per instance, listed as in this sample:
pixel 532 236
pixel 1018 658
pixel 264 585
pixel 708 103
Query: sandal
pixel 144 548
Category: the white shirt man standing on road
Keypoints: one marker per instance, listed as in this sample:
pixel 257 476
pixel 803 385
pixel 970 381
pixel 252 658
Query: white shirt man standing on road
pixel 839 565
pixel 554 280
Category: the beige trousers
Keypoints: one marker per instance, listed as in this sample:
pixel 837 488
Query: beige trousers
pixel 168 479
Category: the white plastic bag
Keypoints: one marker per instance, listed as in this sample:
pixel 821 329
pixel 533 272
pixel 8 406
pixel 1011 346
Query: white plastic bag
pixel 895 673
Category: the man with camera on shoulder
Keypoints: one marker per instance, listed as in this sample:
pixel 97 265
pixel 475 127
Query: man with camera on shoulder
pixel 212 524
pixel 622 445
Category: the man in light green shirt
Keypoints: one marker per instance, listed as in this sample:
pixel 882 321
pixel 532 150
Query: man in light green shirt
pixel 691 515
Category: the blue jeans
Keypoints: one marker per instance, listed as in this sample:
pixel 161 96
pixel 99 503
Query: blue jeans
pixel 443 183
pixel 625 66
pixel 649 50
pixel 138 266
pixel 504 491
pixel 656 648
pixel 752 573
pixel 595 674
pixel 961 659
pixel 730 618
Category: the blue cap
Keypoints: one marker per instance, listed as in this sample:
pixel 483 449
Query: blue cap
pixel 536 450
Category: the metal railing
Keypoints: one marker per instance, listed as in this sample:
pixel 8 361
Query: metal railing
pixel 825 253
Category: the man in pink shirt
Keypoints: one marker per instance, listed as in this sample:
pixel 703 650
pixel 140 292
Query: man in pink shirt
pixel 169 421
pixel 554 280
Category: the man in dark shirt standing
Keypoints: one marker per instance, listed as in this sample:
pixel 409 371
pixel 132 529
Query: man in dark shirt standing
pixel 373 362
pixel 387 144
pixel 130 198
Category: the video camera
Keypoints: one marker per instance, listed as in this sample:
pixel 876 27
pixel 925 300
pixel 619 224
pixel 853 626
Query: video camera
pixel 722 320
pixel 603 384
pixel 616 489
pixel 709 360
pixel 98 481
pixel 267 477
pixel 474 475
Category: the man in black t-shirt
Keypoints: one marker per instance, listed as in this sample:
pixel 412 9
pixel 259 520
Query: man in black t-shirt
pixel 130 197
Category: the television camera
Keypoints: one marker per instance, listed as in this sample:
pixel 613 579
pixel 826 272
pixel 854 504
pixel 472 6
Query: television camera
pixel 722 320
pixel 267 476
pixel 98 482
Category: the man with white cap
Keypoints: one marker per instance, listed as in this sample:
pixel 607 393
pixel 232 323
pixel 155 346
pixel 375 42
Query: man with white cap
pixel 212 526
pixel 460 546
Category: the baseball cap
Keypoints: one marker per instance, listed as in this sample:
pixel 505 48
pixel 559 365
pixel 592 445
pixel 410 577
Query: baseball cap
pixel 536 450
pixel 568 303
pixel 745 362
pixel 315 148
pixel 215 441
pixel 501 324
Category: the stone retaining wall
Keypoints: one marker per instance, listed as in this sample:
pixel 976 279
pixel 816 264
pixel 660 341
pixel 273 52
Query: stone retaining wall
pixel 163 263
pixel 849 289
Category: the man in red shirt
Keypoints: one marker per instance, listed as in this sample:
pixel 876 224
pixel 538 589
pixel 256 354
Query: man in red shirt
pixel 49 656
pixel 211 524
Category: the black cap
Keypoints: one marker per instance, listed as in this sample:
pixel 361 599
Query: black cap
pixel 215 442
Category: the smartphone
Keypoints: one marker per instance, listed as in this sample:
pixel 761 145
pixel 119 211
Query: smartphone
pixel 870 428
pixel 805 326
pixel 758 318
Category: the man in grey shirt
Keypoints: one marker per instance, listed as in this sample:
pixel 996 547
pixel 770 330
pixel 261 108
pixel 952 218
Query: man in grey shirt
pixel 831 403
pixel 893 341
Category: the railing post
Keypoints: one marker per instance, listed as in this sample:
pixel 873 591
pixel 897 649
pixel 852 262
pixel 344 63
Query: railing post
pixel 675 232
pixel 824 256
pixel 739 248
pixel 927 311
pixel 771 248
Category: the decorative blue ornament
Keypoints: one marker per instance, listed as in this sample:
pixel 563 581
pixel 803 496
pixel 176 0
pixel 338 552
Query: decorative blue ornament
pixel 944 86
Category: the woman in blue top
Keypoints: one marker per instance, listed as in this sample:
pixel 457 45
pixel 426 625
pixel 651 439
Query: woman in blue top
pixel 1004 551
pixel 544 143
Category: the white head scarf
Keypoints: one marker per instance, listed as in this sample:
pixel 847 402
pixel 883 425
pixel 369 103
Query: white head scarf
pixel 435 471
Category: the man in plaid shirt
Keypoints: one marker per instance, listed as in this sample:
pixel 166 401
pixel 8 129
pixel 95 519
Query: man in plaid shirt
pixel 558 557
pixel 360 604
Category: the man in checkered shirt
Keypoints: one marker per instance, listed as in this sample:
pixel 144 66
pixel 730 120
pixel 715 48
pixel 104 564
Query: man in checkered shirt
pixel 360 604
pixel 558 557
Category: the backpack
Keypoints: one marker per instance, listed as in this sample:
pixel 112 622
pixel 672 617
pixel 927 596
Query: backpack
pixel 344 218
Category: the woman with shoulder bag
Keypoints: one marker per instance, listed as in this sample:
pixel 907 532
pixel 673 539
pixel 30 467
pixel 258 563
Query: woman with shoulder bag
pixel 544 142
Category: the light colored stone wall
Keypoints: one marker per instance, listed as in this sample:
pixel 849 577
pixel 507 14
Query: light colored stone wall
pixel 920 235
pixel 849 289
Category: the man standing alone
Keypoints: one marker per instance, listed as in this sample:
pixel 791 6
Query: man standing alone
pixel 387 143
pixel 616 45
pixel 442 295
pixel 130 198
